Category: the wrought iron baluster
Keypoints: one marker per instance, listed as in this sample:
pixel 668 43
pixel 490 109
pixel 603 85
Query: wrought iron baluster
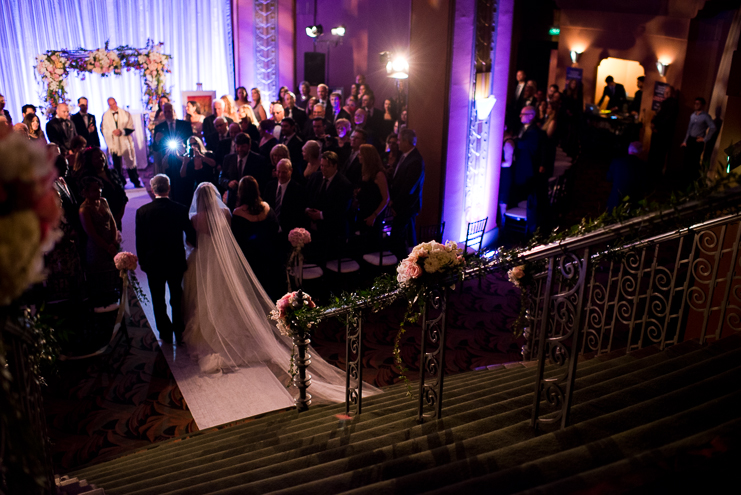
pixel 729 282
pixel 667 319
pixel 712 282
pixel 649 293
pixel 354 367
pixel 432 362
pixel 569 309
pixel 542 343
pixel 636 299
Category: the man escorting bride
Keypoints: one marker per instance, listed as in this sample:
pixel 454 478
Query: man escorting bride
pixel 226 309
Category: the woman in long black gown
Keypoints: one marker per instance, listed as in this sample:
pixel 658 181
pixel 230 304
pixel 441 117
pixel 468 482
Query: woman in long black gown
pixel 255 227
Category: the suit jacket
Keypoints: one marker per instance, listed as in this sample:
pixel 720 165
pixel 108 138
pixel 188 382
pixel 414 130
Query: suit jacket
pixel 256 166
pixel 529 156
pixel 183 131
pixel 627 174
pixel 334 204
pixel 219 147
pixel 92 138
pixel 159 235
pixel 295 144
pixel 344 115
pixel 353 170
pixel 293 206
pixel 407 184
pixel 56 134
pixel 615 97
pixel 208 124
pixel 298 115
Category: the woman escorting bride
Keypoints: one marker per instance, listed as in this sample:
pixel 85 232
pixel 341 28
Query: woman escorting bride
pixel 226 308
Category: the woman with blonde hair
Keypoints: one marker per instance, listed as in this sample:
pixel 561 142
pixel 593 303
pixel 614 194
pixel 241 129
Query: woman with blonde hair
pixel 373 194
pixel 245 112
pixel 230 109
pixel 257 107
pixel 279 152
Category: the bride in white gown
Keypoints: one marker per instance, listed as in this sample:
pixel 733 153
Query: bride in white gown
pixel 226 309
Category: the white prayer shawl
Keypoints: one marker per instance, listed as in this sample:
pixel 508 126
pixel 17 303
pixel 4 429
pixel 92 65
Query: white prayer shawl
pixel 122 145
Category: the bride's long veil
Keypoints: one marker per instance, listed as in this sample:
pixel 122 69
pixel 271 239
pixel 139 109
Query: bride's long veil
pixel 231 308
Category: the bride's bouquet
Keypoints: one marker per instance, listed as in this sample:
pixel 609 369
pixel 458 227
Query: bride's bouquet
pixel 126 263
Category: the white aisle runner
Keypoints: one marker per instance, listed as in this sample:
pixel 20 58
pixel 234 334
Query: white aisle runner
pixel 213 399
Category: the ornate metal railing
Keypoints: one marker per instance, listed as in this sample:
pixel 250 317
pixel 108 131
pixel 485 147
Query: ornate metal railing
pixel 32 472
pixel 652 280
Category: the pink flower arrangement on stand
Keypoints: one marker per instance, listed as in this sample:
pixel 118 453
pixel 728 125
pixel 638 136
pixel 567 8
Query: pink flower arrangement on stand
pixel 431 259
pixel 298 238
pixel 126 263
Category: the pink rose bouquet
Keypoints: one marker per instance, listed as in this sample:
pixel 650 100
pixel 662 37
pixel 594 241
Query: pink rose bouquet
pixel 299 237
pixel 293 306
pixel 126 261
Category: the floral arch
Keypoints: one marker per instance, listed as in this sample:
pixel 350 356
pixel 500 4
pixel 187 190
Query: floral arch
pixel 54 66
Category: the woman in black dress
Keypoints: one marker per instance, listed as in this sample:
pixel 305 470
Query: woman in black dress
pixel 267 140
pixel 197 165
pixel 255 227
pixel 373 194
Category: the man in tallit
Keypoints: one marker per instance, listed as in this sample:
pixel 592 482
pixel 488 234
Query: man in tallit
pixel 117 127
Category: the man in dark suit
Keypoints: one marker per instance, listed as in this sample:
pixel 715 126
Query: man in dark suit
pixel 352 169
pixel 240 164
pixel 329 196
pixel 615 94
pixel 361 122
pixel 159 245
pixel 85 124
pixel 327 142
pixel 287 198
pixel 530 174
pixel 208 123
pixel 219 142
pixel 374 116
pixel 628 175
pixel 290 138
pixel 322 93
pixel 406 193
pixel 60 130
pixel 291 111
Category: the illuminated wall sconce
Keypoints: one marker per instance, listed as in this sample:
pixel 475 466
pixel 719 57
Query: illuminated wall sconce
pixel 662 68
pixel 338 31
pixel 575 56
pixel 484 107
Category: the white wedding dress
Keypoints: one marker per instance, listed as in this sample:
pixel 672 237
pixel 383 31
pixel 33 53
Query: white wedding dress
pixel 226 309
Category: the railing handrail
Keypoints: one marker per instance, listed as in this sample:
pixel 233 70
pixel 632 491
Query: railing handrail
pixel 599 236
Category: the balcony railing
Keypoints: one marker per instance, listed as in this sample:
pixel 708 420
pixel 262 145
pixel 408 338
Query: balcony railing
pixel 652 280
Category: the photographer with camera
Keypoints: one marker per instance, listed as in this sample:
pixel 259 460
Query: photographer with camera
pixel 197 164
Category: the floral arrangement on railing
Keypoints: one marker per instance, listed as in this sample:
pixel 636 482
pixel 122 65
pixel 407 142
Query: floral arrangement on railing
pixel 295 314
pixel 54 66
pixel 429 264
pixel 29 213
pixel 126 263
pixel 298 238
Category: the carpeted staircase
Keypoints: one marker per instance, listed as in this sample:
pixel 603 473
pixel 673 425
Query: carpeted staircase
pixel 641 422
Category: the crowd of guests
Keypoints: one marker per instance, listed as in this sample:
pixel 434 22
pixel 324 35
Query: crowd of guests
pixel 310 162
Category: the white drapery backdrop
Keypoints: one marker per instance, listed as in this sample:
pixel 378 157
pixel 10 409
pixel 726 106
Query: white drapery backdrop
pixel 197 33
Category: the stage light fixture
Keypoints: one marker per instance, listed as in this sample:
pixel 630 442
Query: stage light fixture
pixel 575 56
pixel 397 67
pixel 338 31
pixel 314 31
pixel 662 68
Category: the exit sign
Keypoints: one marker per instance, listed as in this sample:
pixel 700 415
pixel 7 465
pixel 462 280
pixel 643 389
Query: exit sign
pixel 554 31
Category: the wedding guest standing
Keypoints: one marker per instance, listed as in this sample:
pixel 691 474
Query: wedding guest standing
pixel 255 228
pixel 240 164
pixel 241 97
pixel 267 139
pixel 117 127
pixel 5 113
pixel 209 125
pixel 406 193
pixel 91 162
pixel 257 107
pixel 103 238
pixel 160 226
pixel 193 115
pixel 170 137
pixel 34 128
pixel 85 123
pixel 373 194
pixel 60 130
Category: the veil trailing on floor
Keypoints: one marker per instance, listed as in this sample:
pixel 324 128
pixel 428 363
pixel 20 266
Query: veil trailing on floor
pixel 226 308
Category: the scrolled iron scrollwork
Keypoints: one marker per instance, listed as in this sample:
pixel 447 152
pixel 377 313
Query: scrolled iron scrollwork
pixel 354 360
pixel 432 362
